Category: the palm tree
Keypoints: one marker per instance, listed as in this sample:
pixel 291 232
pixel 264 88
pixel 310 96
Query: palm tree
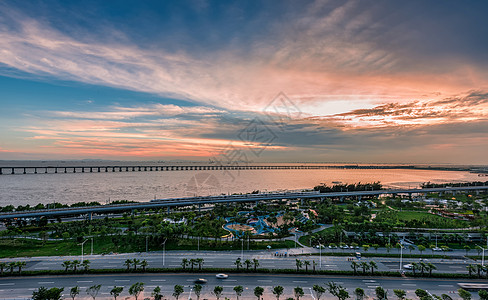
pixel 471 269
pixel 75 264
pixel 20 265
pixel 184 263
pixel 144 265
pixel 135 262
pixel 319 291
pixel 306 263
pixel 238 289
pixel 200 262
pixel 373 266
pixel 128 263
pixel 3 265
pixel 66 265
pixel 479 269
pixel 354 266
pixel 298 263
pixel 364 265
pixel 86 264
pixel 248 263
pixel 422 267
pixel 415 267
pixel 255 262
pixel 314 264
pixel 298 292
pixel 431 267
pixel 11 266
pixel 258 292
pixel 278 291
pixel 193 262
pixel 238 263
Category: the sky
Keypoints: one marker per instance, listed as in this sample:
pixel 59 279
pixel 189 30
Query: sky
pixel 245 81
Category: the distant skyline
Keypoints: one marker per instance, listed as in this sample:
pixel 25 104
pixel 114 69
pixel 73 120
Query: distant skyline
pixel 326 81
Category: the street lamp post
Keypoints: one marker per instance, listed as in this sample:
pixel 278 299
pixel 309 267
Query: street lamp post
pixel 320 260
pixel 401 257
pixel 82 249
pixel 91 253
pixel 242 248
pixel 164 250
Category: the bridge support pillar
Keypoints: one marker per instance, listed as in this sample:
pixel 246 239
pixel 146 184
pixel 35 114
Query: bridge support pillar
pixel 24 171
pixel 1 171
pixel 301 202
pixel 90 216
pixel 169 209
pixel 35 170
pixel 98 169
pixel 13 170
pixel 56 170
pixel 199 207
pixel 74 170
pixel 83 170
pixel 65 171
pixel 91 170
pixel 410 196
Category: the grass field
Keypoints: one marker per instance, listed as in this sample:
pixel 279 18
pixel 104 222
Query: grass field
pixel 420 219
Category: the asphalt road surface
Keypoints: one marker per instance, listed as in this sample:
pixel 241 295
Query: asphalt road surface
pixel 226 259
pixel 22 287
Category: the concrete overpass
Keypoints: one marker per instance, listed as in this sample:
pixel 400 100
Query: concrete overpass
pixel 200 201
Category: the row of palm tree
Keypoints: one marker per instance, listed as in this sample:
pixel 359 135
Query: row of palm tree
pixel 423 267
pixel 134 263
pixel 365 266
pixel 192 262
pixel 254 263
pixel 12 265
pixel 477 269
pixel 73 265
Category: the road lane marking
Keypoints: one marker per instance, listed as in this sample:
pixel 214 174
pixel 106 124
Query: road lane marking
pixel 122 280
pixel 446 285
pixel 300 281
pixel 158 280
pixel 45 282
pixel 84 281
pixel 265 280
pixel 409 284
pixel 7 283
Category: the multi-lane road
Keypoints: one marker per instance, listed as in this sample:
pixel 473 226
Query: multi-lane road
pixel 15 288
pixel 226 259
pixel 22 287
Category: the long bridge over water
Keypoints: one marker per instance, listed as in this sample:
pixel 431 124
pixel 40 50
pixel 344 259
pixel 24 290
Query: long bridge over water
pixel 222 199
pixel 12 170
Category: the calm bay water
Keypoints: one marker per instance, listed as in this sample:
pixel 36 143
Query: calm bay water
pixel 144 186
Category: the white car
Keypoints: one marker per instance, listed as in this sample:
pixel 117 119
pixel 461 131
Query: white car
pixel 222 276
pixel 437 249
pixel 408 266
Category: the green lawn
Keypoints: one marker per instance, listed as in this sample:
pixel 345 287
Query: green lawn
pixel 420 219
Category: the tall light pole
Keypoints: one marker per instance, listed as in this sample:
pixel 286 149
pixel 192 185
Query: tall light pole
pixel 91 253
pixel 320 251
pixel 401 257
pixel 146 242
pixel 82 249
pixel 242 247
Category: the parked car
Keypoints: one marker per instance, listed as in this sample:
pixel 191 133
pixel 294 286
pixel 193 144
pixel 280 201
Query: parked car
pixel 408 266
pixel 332 247
pixel 222 276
